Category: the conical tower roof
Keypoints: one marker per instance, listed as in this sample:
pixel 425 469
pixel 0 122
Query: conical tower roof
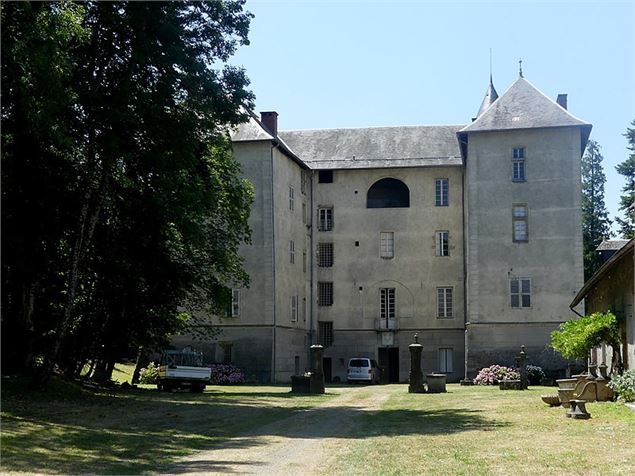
pixel 490 96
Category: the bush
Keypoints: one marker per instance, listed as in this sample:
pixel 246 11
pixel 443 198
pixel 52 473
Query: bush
pixel 535 374
pixel 149 374
pixel 494 373
pixel 624 385
pixel 226 374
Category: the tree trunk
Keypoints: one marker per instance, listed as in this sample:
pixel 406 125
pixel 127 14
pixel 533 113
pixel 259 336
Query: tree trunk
pixel 143 359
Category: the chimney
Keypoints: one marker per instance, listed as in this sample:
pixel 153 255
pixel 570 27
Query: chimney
pixel 562 100
pixel 270 121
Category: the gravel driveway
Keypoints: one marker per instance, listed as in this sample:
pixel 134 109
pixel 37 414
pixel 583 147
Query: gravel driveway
pixel 304 443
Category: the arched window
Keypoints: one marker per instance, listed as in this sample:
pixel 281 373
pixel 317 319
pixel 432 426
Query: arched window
pixel 388 193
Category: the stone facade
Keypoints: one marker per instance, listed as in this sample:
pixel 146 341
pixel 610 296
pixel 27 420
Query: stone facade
pixel 329 266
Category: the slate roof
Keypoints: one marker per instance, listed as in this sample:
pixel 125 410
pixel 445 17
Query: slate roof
pixel 523 106
pixel 611 245
pixel 376 147
pixel 490 96
pixel 250 131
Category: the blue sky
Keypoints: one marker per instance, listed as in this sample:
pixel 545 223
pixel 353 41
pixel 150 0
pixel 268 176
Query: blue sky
pixel 326 64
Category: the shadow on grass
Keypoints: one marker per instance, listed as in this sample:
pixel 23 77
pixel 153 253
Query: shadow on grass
pixel 145 431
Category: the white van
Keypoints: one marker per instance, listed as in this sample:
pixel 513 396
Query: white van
pixel 362 369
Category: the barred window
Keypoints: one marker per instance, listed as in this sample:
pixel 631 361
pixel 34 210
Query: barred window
pixel 441 186
pixel 291 198
pixel 294 308
pixel 387 244
pixel 325 219
pixel 442 243
pixel 325 334
pixel 325 255
pixel 325 294
pixel 291 252
pixel 235 304
pixel 304 261
pixel 444 302
pixel 520 293
pixel 387 303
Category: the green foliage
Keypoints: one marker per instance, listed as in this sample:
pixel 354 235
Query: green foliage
pixel 125 206
pixel 627 169
pixel 624 385
pixel 596 225
pixel 149 374
pixel 576 338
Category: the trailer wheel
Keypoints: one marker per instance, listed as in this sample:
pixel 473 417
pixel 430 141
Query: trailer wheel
pixel 159 386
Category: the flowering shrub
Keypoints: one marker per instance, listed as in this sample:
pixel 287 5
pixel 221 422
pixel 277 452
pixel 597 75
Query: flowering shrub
pixel 149 374
pixel 535 374
pixel 494 373
pixel 226 374
pixel 624 385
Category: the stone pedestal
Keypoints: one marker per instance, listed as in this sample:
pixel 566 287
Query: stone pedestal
pixel 317 373
pixel 436 383
pixel 522 368
pixel 415 379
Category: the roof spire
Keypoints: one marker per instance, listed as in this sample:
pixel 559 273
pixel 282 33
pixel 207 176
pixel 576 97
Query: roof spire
pixel 520 68
pixel 490 95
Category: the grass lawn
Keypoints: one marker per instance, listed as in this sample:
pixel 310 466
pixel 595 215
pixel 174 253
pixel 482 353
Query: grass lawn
pixel 469 430
pixel 73 430
pixel 483 430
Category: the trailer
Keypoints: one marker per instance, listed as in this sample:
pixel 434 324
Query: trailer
pixel 183 369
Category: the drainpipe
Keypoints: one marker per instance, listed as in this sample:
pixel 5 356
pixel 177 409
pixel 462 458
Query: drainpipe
pixel 466 323
pixel 273 250
pixel 311 269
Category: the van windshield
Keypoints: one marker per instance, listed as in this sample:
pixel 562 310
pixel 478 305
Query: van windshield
pixel 359 363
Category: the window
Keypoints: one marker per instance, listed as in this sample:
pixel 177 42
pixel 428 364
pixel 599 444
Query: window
pixel 442 243
pixel 325 219
pixel 441 192
pixel 290 198
pixel 325 176
pixel 304 261
pixel 325 255
pixel 291 252
pixel 388 193
pixel 235 305
pixel 387 244
pixel 444 302
pixel 304 220
pixel 296 361
pixel 294 308
pixel 325 294
pixel 518 164
pixel 304 309
pixel 227 352
pixel 325 334
pixel 387 303
pixel 520 292
pixel 519 216
pixel 445 361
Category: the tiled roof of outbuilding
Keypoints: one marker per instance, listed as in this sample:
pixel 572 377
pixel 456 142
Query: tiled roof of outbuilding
pixel 523 106
pixel 376 147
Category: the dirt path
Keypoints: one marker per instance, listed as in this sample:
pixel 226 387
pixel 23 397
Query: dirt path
pixel 304 443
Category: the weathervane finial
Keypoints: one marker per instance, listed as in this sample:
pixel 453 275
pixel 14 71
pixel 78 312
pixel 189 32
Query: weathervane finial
pixel 520 68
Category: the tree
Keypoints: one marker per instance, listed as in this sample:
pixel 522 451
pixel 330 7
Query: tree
pixel 575 339
pixel 146 206
pixel 596 225
pixel 627 169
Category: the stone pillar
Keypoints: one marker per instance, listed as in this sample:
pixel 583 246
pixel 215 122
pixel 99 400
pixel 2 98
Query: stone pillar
pixel 416 375
pixel 317 373
pixel 522 367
